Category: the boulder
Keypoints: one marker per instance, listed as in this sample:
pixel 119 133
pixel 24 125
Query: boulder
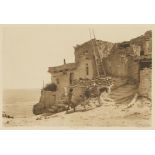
pixel 39 109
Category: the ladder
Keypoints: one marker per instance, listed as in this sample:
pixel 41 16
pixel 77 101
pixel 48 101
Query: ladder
pixel 98 61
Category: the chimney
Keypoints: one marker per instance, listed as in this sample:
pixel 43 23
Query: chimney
pixel 64 61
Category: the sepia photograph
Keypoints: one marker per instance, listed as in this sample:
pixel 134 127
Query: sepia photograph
pixel 76 76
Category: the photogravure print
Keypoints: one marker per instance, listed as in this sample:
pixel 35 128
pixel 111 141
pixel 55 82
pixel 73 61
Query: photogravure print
pixel 107 84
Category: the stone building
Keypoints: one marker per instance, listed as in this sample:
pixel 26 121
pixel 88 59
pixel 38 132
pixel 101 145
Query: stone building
pixel 87 65
pixel 97 58
pixel 129 60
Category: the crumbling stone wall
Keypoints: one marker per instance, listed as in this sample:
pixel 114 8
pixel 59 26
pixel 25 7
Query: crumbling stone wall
pixel 116 65
pixel 136 49
pixel 133 69
pixel 124 58
pixel 48 98
pixel 104 48
pixel 142 45
pixel 147 45
pixel 145 85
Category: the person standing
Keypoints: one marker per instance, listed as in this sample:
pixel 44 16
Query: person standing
pixel 70 94
pixel 87 95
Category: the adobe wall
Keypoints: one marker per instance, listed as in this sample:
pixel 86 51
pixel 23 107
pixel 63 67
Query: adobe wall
pixel 125 67
pixel 115 65
pixel 123 59
pixel 48 98
pixel 81 72
pixel 145 85
pixel 133 69
pixel 83 55
pixel 63 81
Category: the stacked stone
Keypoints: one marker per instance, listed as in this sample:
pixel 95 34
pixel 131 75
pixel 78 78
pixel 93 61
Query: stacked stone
pixel 91 83
pixel 145 82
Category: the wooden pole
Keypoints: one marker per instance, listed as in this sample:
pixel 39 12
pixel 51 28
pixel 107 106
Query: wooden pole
pixel 99 53
pixel 94 52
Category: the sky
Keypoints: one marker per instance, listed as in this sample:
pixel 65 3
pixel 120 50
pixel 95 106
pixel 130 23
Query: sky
pixel 28 50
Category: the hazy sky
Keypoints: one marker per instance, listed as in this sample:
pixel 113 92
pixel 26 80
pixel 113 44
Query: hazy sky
pixel 28 50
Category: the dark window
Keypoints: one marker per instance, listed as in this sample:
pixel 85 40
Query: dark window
pixel 145 63
pixel 87 69
pixel 86 51
pixel 142 52
pixel 71 78
pixel 124 45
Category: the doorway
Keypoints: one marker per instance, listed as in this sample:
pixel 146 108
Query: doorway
pixel 71 78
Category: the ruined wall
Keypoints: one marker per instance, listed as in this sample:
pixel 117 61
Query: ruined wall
pixel 142 45
pixel 104 48
pixel 115 65
pixel 133 69
pixel 47 103
pixel 123 59
pixel 48 98
pixel 145 85
pixel 122 66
